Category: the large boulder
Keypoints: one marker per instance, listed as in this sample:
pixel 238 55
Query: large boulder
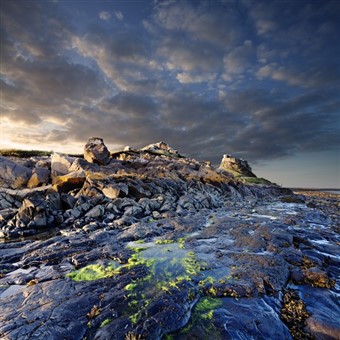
pixel 71 181
pixel 95 151
pixel 13 175
pixel 40 176
pixel 60 164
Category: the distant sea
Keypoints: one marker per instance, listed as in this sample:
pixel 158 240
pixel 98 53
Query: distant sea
pixel 328 191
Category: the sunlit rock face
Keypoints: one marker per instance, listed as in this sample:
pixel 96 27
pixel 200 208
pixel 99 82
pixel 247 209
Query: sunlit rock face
pixel 13 175
pixel 60 164
pixel 240 166
pixel 95 151
pixel 161 147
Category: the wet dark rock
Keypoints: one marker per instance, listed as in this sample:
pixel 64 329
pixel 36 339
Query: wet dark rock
pixel 323 307
pixel 293 199
pixel 68 201
pixel 244 318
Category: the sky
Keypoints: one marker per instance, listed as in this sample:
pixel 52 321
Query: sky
pixel 256 79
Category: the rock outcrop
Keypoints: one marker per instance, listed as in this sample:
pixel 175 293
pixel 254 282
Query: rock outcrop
pixel 236 166
pixel 95 151
pixel 162 148
pixel 154 181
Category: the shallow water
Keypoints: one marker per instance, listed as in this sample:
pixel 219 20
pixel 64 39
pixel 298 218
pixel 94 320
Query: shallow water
pixel 168 264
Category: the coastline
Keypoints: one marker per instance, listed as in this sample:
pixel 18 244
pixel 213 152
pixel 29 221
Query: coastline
pixel 316 193
pixel 325 190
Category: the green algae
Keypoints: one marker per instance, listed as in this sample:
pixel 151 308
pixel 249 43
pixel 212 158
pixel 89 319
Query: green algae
pixel 130 286
pixel 140 241
pixel 208 279
pixel 164 241
pixel 104 323
pixel 181 242
pixel 206 306
pixel 93 272
pixel 201 322
pixel 167 263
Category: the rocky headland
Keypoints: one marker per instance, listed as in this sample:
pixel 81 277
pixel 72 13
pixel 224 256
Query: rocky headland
pixel 149 244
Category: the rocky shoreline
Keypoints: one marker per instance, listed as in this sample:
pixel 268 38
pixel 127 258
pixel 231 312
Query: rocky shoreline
pixel 148 244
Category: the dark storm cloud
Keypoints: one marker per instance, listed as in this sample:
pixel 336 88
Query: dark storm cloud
pixel 281 126
pixel 43 90
pixel 257 79
pixel 32 29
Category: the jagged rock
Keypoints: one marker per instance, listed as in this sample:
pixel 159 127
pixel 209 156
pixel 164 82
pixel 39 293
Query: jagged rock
pixel 161 147
pixel 6 214
pixel 96 212
pixel 95 151
pixel 32 210
pixel 54 202
pixel 240 166
pixel 68 200
pixel 8 201
pixel 115 190
pixel 186 202
pixel 60 164
pixel 13 175
pixel 40 176
pixel 71 181
pixel 44 163
pixel 135 210
pixel 81 164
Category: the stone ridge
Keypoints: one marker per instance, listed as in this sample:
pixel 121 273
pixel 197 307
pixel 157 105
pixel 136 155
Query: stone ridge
pixel 119 189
